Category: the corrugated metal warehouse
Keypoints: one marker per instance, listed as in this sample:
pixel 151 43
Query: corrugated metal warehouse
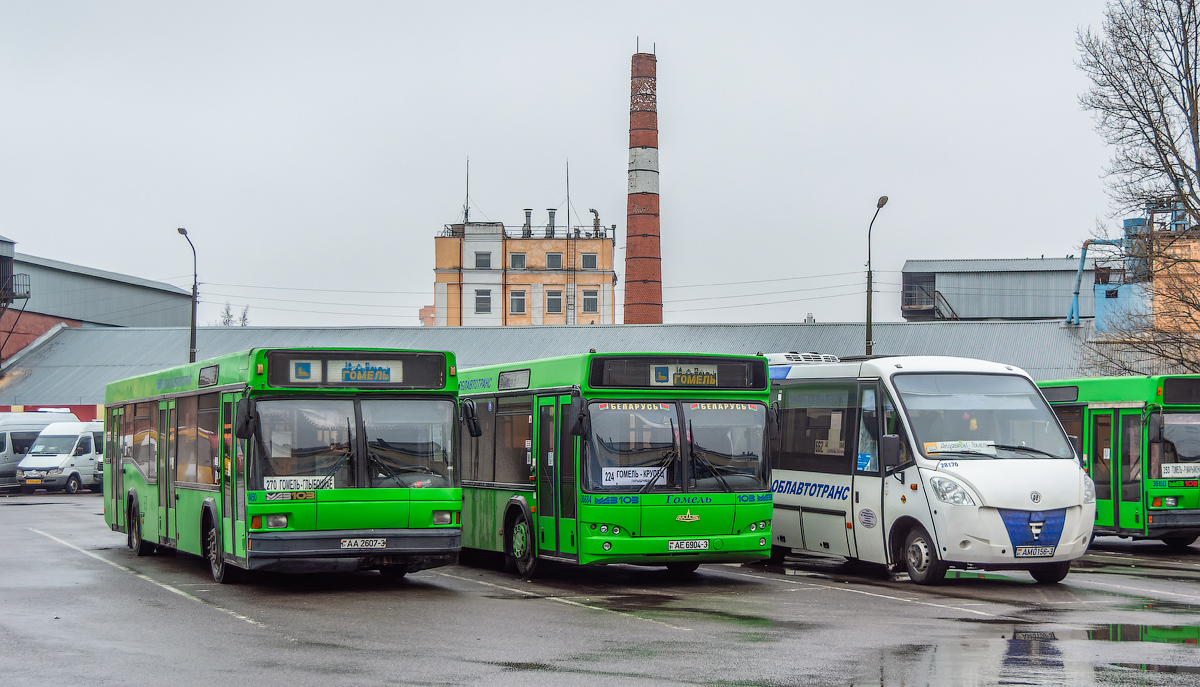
pixel 72 365
pixel 1029 288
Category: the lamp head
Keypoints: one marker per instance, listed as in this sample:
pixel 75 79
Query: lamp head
pixel 881 203
pixel 184 231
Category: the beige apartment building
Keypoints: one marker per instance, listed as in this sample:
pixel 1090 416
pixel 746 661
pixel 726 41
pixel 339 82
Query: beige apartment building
pixel 490 275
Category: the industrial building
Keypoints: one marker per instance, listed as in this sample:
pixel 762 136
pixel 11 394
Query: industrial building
pixel 993 289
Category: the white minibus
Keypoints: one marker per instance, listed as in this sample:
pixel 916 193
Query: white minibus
pixel 17 432
pixel 64 457
pixel 925 463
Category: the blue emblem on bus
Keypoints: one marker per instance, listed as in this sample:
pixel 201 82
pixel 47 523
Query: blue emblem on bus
pixel 662 374
pixel 303 371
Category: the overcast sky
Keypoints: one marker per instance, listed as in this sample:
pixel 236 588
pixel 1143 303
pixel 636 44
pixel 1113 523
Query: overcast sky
pixel 314 150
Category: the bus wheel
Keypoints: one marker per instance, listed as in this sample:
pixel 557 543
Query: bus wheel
pixel 682 569
pixel 139 546
pixel 1050 573
pixel 73 485
pixel 778 553
pixel 921 558
pixel 393 572
pixel 222 572
pixel 523 547
pixel 1178 543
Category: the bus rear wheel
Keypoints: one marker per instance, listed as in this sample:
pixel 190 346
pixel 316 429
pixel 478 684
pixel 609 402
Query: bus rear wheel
pixel 921 559
pixel 523 547
pixel 1050 573
pixel 139 546
pixel 1178 543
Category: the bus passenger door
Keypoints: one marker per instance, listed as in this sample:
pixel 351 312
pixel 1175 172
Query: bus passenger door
pixel 1127 472
pixel 866 499
pixel 166 469
pixel 226 479
pixel 1100 463
pixel 547 482
pixel 114 465
pixel 567 459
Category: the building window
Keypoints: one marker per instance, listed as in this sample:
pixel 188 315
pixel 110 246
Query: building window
pixel 591 300
pixel 483 300
pixel 516 261
pixel 483 261
pixel 554 302
pixel 588 261
pixel 554 261
pixel 516 302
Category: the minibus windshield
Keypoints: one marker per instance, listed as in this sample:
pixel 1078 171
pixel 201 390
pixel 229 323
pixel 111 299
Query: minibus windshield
pixel 979 416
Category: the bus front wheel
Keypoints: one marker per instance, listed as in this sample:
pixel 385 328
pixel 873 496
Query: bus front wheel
pixel 921 558
pixel 523 547
pixel 222 572
pixel 1178 543
pixel 1050 573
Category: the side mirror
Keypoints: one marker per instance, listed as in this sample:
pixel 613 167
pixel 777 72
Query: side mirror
pixel 1075 443
pixel 471 417
pixel 889 450
pixel 578 421
pixel 1155 427
pixel 773 423
pixel 243 422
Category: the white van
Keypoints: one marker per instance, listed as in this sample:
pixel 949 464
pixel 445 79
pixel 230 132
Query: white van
pixel 17 432
pixel 64 457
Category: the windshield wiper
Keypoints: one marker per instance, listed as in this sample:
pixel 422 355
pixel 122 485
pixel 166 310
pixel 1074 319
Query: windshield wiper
pixel 349 453
pixel 1030 449
pixel 374 458
pixel 663 462
pixel 712 469
pixel 964 452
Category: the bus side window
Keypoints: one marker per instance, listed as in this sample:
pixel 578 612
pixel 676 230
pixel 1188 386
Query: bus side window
pixel 514 439
pixel 816 420
pixel 868 432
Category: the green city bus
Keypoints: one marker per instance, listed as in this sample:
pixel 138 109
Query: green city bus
pixel 293 460
pixel 1141 446
pixel 641 458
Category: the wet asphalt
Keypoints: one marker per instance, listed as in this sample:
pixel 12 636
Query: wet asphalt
pixel 79 608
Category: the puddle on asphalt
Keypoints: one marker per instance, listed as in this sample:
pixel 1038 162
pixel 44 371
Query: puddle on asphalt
pixel 1162 634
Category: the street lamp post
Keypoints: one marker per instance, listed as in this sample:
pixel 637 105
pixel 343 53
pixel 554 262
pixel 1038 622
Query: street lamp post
pixel 878 207
pixel 195 292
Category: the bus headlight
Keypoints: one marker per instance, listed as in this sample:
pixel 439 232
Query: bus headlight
pixel 441 517
pixel 949 491
pixel 1089 490
pixel 275 521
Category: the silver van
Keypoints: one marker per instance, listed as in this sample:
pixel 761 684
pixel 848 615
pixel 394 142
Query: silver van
pixel 64 457
pixel 17 432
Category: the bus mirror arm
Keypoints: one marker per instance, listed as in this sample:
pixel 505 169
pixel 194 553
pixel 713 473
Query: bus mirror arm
pixel 471 417
pixel 243 426
pixel 578 416
pixel 773 422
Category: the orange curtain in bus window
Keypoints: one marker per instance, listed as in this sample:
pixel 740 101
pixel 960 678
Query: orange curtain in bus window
pixel 185 470
pixel 207 440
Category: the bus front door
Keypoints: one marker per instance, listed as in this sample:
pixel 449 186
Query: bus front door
pixel 547 480
pixel 566 473
pixel 1100 464
pixel 166 471
pixel 114 459
pixel 866 510
pixel 1127 485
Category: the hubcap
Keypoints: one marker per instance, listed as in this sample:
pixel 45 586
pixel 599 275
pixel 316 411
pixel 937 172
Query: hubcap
pixel 918 555
pixel 519 540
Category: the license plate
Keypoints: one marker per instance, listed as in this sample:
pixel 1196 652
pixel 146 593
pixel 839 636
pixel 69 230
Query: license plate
pixel 1033 551
pixel 364 543
pixel 687 545
pixel 33 481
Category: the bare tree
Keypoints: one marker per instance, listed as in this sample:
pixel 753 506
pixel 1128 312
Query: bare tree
pixel 226 319
pixel 244 320
pixel 1144 67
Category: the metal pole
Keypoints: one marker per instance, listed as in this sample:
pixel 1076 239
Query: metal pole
pixel 195 293
pixel 878 206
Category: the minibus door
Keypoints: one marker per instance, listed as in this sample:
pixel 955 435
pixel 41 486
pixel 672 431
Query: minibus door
pixel 1100 464
pixel 547 482
pixel 866 507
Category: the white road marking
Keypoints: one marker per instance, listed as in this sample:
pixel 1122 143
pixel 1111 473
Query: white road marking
pixel 562 600
pixel 151 580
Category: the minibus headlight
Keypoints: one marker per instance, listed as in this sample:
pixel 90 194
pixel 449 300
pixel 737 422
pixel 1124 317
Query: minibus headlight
pixel 54 473
pixel 1089 490
pixel 441 517
pixel 275 521
pixel 949 491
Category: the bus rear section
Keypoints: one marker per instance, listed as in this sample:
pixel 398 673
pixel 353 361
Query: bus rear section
pixel 925 464
pixel 647 459
pixel 1140 439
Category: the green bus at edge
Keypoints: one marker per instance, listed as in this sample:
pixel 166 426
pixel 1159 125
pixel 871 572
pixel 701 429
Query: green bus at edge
pixel 639 458
pixel 293 460
pixel 1140 441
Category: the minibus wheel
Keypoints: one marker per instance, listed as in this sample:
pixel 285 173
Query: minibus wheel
pixel 1050 573
pixel 73 485
pixel 921 559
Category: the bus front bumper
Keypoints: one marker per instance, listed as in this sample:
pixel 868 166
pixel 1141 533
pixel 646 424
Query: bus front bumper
pixel 347 550
pixel 725 548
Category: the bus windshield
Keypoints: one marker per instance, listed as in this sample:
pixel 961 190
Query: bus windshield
pixel 635 447
pixel 1179 454
pixel 980 416
pixel 409 443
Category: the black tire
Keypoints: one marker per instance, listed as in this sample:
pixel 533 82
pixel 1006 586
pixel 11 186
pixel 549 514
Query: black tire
pixel 133 534
pixel 222 572
pixel 778 553
pixel 1050 573
pixel 393 572
pixel 921 558
pixel 73 485
pixel 682 569
pixel 26 489
pixel 522 547
pixel 1178 543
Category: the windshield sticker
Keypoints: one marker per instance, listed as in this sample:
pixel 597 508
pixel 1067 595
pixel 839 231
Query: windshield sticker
pixel 987 447
pixel 634 406
pixel 724 406
pixel 297 483
pixel 632 477
pixel 1180 470
pixel 829 447
pixel 821 491
pixel 697 375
